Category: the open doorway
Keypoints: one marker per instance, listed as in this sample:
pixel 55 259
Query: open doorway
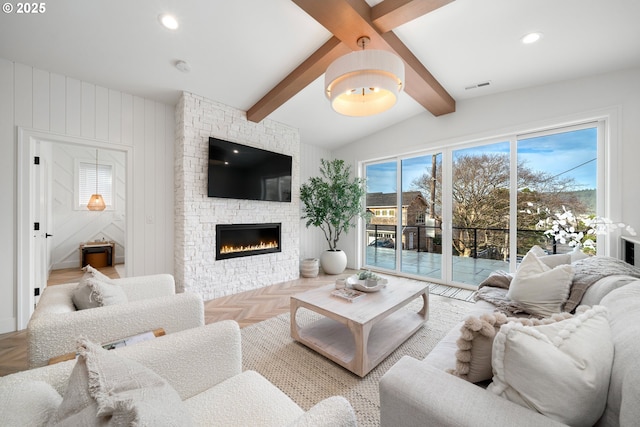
pixel 53 221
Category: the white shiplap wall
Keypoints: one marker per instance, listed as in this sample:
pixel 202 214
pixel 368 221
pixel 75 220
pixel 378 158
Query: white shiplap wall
pixel 36 99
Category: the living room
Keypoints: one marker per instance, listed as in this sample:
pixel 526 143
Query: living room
pixel 161 127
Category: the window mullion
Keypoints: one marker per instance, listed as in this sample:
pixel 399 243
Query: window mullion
pixel 513 203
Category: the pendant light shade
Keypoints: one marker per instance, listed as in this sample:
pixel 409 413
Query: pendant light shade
pixel 365 82
pixel 96 202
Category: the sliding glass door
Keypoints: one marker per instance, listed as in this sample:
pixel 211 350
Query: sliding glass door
pixel 382 200
pixel 421 216
pixel 404 232
pixel 480 211
pixel 557 173
pixel 495 199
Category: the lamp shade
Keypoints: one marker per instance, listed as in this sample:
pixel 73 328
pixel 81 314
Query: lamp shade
pixel 364 83
pixel 96 203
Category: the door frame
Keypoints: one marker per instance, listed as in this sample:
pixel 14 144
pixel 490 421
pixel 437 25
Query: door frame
pixel 25 215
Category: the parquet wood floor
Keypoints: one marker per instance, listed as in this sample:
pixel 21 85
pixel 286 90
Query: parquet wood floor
pixel 246 308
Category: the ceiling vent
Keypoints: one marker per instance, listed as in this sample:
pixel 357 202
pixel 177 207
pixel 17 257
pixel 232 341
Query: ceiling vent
pixel 478 85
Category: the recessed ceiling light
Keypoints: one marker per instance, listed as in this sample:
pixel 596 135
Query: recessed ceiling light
pixel 168 21
pixel 531 38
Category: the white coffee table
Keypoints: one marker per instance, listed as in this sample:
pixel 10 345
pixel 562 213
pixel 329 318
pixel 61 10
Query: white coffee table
pixel 359 335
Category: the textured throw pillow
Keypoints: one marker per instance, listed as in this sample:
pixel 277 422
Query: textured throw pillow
pixel 28 403
pixel 96 290
pixel 539 289
pixel 104 387
pixel 92 272
pixel 497 279
pixel 473 358
pixel 560 370
pixel 577 255
pixel 537 251
pixel 550 261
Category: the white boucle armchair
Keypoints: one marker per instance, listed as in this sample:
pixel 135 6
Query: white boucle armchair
pixel 203 365
pixel 152 303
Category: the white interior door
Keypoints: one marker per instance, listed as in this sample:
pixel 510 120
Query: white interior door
pixel 41 202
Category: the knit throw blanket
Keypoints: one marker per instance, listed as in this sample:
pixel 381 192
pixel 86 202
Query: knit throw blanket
pixel 586 272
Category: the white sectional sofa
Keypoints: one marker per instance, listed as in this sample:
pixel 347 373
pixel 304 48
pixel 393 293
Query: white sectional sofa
pixel 423 392
pixel 152 303
pixel 203 365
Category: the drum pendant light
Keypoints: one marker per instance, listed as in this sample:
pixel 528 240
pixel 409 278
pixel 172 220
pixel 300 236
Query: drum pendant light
pixel 365 82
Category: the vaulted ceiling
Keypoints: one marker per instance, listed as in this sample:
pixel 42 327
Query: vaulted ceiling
pixel 268 57
pixel 348 21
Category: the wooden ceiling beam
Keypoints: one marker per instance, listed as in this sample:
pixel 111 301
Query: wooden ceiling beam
pixel 391 14
pixel 348 20
pixel 419 82
pixel 312 68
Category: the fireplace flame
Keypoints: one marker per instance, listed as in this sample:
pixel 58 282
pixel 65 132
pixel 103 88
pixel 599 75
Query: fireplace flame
pixel 262 245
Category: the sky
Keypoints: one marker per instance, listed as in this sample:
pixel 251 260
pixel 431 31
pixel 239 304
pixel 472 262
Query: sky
pixel 570 154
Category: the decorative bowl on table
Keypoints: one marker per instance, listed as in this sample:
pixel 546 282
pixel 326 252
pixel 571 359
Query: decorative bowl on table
pixel 370 282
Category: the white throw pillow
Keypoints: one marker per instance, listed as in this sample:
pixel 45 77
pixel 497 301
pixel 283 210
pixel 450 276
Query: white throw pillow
pixel 537 251
pixel 92 272
pixel 561 370
pixel 27 403
pixel 104 386
pixel 577 255
pixel 473 358
pixel 552 260
pixel 539 289
pixel 92 292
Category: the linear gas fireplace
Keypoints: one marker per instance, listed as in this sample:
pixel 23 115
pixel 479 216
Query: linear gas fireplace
pixel 239 240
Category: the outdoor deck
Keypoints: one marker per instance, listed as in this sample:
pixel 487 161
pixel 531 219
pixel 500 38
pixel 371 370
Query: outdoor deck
pixel 470 271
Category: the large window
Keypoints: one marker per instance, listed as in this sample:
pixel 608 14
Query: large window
pixel 86 173
pixel 498 198
pixel 557 173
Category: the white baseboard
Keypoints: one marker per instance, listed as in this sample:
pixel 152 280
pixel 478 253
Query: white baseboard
pixel 7 324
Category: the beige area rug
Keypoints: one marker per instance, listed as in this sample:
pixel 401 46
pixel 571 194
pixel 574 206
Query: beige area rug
pixel 308 377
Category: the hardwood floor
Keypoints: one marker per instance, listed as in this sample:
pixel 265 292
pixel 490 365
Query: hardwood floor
pixel 70 275
pixel 246 308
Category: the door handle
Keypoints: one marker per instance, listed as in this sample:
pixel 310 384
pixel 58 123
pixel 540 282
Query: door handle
pixel 47 235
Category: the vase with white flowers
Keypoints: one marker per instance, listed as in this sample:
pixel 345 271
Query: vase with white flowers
pixel 567 229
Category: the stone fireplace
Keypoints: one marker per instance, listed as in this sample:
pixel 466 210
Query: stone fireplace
pixel 199 267
pixel 241 240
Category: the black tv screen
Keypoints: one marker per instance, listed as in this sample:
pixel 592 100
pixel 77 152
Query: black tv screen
pixel 238 171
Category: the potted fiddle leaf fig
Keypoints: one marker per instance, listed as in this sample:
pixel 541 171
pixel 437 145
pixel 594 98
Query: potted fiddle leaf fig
pixel 331 202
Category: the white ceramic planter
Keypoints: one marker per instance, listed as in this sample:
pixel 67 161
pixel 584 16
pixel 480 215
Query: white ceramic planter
pixel 333 262
pixel 309 267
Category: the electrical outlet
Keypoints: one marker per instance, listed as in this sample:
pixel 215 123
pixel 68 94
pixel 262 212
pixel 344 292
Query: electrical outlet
pixel 149 219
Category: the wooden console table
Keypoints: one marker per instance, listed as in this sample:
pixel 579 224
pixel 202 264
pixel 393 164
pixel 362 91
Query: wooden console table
pixel 98 254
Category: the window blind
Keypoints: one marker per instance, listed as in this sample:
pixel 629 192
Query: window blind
pixel 87 183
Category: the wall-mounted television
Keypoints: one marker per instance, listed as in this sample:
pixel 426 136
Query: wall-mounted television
pixel 238 171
